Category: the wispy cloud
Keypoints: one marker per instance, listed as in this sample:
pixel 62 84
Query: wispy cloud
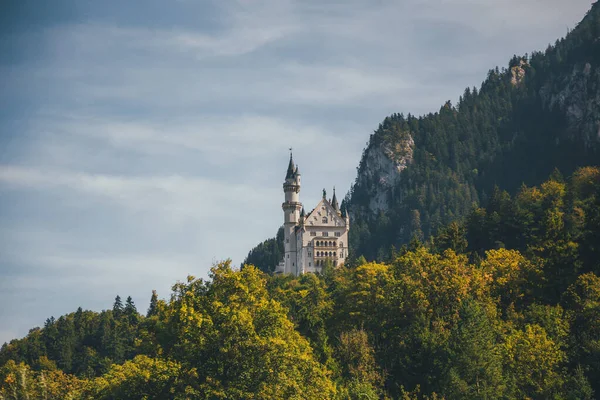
pixel 177 198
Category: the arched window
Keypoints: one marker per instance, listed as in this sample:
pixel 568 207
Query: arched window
pixel 330 254
pixel 334 254
pixel 341 244
pixel 324 220
pixel 318 243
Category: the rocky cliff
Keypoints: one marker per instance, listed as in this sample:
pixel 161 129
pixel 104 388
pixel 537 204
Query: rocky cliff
pixel 381 167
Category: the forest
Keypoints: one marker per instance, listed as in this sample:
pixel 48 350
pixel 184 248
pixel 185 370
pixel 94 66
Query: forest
pixel 503 305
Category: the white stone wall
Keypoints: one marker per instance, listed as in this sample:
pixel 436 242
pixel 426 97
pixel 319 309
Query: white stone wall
pixel 325 237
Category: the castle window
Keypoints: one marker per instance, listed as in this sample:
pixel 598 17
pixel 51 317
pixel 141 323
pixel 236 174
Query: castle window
pixel 334 254
pixel 309 264
pixel 313 234
pixel 288 256
pixel 335 263
pixel 325 234
pixel 324 220
pixel 330 244
pixel 287 240
pixel 330 254
pixel 338 234
pixel 341 244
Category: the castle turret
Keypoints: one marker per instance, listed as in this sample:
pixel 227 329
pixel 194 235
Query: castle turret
pixel 334 203
pixel 291 210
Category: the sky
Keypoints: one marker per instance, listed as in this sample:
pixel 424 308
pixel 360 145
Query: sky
pixel 143 141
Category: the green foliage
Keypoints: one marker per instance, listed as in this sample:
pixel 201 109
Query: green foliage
pixel 267 254
pixel 143 378
pixel 532 362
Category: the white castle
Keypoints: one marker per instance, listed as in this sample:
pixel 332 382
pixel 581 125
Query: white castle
pixel 311 240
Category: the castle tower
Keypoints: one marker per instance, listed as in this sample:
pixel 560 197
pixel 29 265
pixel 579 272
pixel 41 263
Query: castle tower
pixel 291 211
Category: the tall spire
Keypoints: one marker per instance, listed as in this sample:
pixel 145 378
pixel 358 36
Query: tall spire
pixel 291 167
pixel 334 201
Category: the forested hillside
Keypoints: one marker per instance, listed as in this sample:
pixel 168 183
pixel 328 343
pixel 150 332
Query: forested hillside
pixel 418 174
pixel 505 305
pixel 540 113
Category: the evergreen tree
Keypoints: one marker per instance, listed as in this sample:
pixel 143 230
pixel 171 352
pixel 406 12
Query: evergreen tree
pixel 118 307
pixel 153 308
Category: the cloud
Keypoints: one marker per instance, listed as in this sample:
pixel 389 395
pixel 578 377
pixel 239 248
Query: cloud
pixel 176 197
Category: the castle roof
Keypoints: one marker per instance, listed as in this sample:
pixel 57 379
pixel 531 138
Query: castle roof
pixel 334 202
pixel 291 171
pixel 328 204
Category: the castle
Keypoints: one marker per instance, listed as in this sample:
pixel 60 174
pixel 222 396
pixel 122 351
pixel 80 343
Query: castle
pixel 311 240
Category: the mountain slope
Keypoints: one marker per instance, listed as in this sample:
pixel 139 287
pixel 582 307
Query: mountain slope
pixel 540 113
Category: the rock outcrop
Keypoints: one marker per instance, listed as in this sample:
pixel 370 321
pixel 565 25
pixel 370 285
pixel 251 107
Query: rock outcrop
pixel 383 161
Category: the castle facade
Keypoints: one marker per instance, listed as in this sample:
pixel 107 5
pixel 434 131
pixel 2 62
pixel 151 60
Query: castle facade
pixel 311 240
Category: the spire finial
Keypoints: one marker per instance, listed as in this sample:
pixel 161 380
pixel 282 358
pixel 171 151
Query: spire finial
pixel 290 153
pixel 324 193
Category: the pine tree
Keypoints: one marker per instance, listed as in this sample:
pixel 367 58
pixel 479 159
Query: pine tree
pixel 130 307
pixel 118 307
pixel 153 308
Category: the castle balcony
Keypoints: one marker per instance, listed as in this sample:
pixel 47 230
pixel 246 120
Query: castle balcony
pixel 326 243
pixel 291 204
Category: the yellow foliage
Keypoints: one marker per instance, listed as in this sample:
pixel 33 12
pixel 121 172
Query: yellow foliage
pixel 509 274
pixel 534 360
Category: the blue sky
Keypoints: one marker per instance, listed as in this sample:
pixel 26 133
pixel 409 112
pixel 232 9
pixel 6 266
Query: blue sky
pixel 143 141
